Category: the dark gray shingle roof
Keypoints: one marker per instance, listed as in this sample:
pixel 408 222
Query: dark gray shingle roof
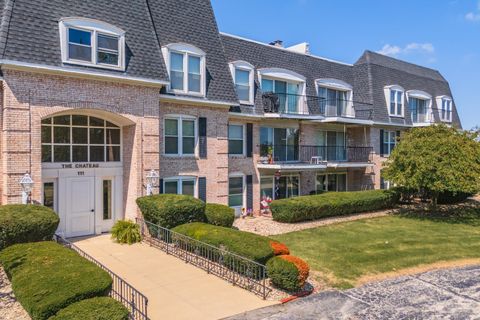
pixel 32 33
pixel 193 22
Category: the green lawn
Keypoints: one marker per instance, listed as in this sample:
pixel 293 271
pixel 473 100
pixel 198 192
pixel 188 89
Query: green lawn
pixel 345 252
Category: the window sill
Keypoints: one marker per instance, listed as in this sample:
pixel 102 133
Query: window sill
pixel 237 156
pixel 396 116
pixel 246 103
pixel 182 156
pixel 93 65
pixel 187 93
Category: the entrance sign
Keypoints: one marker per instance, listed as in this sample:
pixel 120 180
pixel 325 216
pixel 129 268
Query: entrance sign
pixel 80 165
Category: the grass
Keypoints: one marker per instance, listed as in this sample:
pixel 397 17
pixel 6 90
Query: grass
pixel 344 253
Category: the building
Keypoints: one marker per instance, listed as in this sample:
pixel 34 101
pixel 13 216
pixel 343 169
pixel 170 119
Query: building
pixel 95 94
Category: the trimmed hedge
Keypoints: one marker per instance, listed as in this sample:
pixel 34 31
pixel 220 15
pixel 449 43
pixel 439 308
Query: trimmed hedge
pixel 449 197
pixel 100 308
pixel 21 223
pixel 249 245
pixel 219 215
pixel 47 277
pixel 279 248
pixel 288 272
pixel 126 232
pixel 331 204
pixel 171 210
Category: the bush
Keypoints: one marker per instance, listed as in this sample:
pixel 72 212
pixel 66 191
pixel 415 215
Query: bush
pixel 21 223
pixel 219 215
pixel 171 210
pixel 101 308
pixel 288 272
pixel 126 232
pixel 47 277
pixel 279 248
pixel 249 245
pixel 331 204
pixel 450 197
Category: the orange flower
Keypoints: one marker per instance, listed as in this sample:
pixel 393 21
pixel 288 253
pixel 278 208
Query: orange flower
pixel 279 248
pixel 302 267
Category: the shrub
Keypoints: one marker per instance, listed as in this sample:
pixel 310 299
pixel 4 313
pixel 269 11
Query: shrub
pixel 171 210
pixel 47 277
pixel 279 248
pixel 331 204
pixel 288 272
pixel 21 223
pixel 126 232
pixel 249 245
pixel 219 215
pixel 100 308
pixel 449 197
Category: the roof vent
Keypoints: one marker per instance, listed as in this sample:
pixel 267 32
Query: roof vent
pixel 303 47
pixel 277 43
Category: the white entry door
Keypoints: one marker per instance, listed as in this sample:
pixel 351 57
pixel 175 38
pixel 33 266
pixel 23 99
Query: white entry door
pixel 80 213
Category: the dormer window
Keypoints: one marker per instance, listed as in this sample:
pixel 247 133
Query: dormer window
pixel 90 42
pixel 186 67
pixel 445 108
pixel 335 98
pixel 242 74
pixel 394 95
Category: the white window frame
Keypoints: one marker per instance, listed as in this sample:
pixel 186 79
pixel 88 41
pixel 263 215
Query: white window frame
pixel 289 77
pixel 95 27
pixel 448 112
pixel 244 188
pixel 244 139
pixel 245 66
pixel 326 174
pixel 338 85
pixel 179 180
pixel 388 134
pixel 419 94
pixel 71 126
pixel 180 119
pixel 186 50
pixel 388 95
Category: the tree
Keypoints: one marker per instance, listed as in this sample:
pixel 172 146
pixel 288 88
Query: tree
pixel 436 159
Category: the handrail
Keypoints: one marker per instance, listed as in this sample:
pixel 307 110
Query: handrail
pixel 131 298
pixel 238 270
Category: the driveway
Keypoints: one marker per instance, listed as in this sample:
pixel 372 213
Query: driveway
pixel 440 294
pixel 175 290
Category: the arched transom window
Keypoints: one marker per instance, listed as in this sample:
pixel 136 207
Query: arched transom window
pixel 80 138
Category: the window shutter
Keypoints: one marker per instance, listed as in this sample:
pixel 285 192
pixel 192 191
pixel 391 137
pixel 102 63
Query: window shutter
pixel 160 186
pixel 249 139
pixel 398 136
pixel 249 192
pixel 202 189
pixel 202 137
pixel 381 143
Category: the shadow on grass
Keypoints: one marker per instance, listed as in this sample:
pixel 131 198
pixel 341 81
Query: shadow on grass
pixel 467 212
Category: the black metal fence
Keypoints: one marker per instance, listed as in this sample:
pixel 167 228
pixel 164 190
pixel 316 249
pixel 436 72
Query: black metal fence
pixel 315 154
pixel 122 291
pixel 239 271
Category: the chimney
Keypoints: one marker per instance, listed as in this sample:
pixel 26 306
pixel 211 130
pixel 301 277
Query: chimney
pixel 303 47
pixel 277 43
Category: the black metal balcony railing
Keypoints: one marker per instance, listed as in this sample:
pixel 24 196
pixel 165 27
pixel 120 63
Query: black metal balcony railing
pixel 286 103
pixel 314 154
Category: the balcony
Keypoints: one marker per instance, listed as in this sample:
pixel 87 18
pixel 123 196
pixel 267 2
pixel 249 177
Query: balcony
pixel 297 157
pixel 294 104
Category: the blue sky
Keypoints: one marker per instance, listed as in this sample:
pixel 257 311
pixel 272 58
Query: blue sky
pixel 443 35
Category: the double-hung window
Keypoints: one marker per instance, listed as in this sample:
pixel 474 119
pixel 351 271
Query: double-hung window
pixel 389 141
pixel 186 65
pixel 396 103
pixel 235 139
pixel 235 191
pixel 180 137
pixel 92 43
pixel 180 185
pixel 446 110
pixel 242 74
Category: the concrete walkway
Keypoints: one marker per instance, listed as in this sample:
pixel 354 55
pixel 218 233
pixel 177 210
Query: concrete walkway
pixel 175 290
pixel 441 294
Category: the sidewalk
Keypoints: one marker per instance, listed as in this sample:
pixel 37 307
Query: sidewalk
pixel 175 290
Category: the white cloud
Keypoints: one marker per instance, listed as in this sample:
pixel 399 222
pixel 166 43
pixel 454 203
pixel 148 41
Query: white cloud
pixel 474 16
pixel 411 48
